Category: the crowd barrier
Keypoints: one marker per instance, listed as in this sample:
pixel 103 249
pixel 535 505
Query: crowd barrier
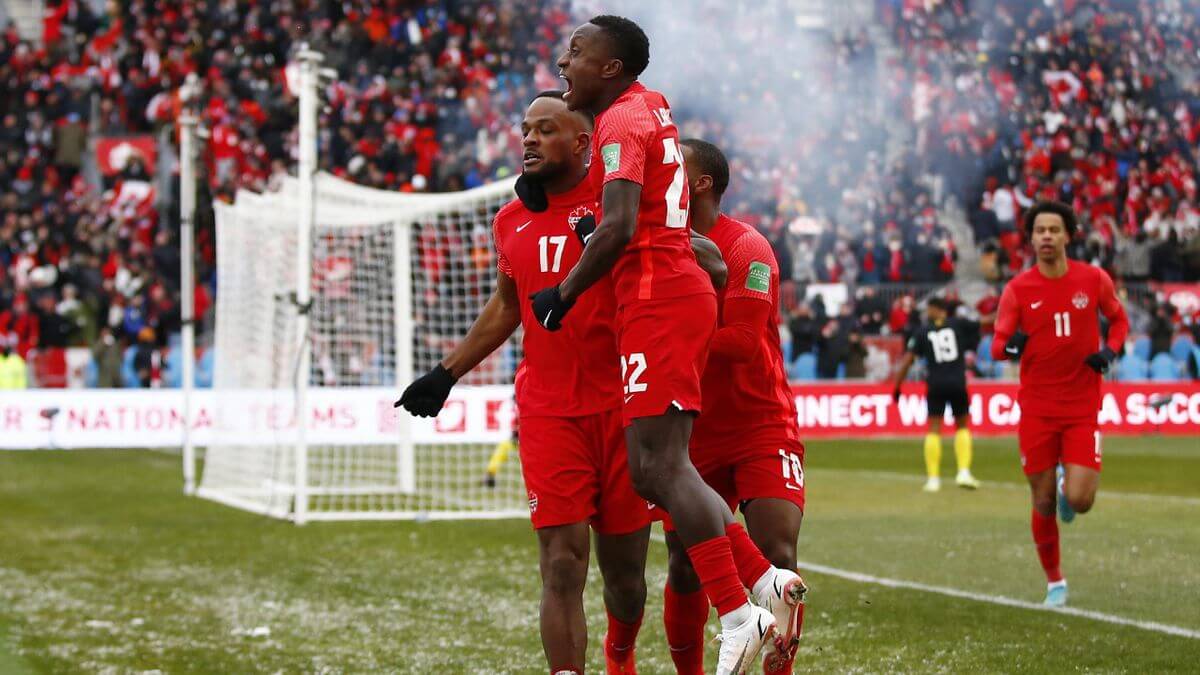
pixel 153 418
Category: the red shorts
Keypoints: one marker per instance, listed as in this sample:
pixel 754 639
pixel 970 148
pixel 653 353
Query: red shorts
pixel 664 346
pixel 1047 441
pixel 757 471
pixel 576 470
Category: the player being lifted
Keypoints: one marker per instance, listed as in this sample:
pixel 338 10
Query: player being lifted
pixel 942 342
pixel 746 444
pixel 568 395
pixel 667 312
pixel 1049 319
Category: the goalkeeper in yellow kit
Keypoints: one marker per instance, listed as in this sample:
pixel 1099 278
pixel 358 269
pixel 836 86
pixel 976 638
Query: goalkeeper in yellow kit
pixel 500 456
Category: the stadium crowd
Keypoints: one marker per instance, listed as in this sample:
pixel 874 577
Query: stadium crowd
pixel 1010 102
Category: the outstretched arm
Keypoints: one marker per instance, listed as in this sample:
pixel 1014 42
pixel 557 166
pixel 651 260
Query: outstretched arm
pixel 495 324
pixel 499 318
pixel 621 199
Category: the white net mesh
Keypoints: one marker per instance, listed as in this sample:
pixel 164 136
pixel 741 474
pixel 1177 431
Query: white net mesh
pixel 396 281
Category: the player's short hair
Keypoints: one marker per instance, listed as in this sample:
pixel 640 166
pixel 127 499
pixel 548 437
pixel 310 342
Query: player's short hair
pixel 1055 207
pixel 711 161
pixel 939 302
pixel 557 94
pixel 629 41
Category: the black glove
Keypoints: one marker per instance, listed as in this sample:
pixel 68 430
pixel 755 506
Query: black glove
pixel 1015 346
pixel 425 396
pixel 1101 360
pixel 584 228
pixel 532 194
pixel 549 308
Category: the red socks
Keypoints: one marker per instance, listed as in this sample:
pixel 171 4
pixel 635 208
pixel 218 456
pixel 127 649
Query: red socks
pixel 618 645
pixel 713 562
pixel 685 615
pixel 1045 537
pixel 751 564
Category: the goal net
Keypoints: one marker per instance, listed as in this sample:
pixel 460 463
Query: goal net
pixel 396 280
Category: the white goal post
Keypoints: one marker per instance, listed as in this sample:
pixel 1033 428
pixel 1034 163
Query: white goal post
pixel 396 280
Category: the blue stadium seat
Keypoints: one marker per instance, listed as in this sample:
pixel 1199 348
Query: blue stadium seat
pixel 128 373
pixel 1163 368
pixel 173 369
pixel 1141 347
pixel 1132 369
pixel 91 374
pixel 787 350
pixel 805 368
pixel 984 351
pixel 1181 348
pixel 204 369
pixel 841 371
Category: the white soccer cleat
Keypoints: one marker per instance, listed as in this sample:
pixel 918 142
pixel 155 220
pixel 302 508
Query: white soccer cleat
pixel 933 484
pixel 784 597
pixel 740 647
pixel 966 480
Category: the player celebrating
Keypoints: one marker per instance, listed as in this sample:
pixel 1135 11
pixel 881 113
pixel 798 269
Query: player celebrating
pixel 746 444
pixel 572 448
pixel 942 343
pixel 1049 319
pixel 666 315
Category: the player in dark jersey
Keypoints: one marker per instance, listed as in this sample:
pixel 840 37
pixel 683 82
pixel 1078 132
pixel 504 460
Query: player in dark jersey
pixel 942 343
pixel 573 456
pixel 1049 318
pixel 667 314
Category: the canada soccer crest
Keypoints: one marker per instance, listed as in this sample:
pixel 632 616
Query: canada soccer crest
pixel 579 212
pixel 533 501
pixel 1080 300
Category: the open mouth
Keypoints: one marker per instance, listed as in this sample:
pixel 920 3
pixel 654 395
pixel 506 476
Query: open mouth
pixel 530 158
pixel 568 81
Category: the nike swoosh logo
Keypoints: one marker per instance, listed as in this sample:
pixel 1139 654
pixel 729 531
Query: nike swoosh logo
pixel 778 588
pixel 762 632
pixel 629 398
pixel 546 321
pixel 790 487
pixel 1035 305
pixel 521 227
pixel 1010 350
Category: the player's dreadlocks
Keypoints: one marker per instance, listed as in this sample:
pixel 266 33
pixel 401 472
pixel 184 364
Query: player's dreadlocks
pixel 629 41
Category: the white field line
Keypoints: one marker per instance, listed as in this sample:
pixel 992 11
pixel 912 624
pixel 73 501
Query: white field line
pixel 1020 487
pixel 861 578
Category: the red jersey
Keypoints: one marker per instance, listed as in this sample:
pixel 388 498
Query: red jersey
pixel 574 371
pixel 635 140
pixel 747 398
pixel 1062 319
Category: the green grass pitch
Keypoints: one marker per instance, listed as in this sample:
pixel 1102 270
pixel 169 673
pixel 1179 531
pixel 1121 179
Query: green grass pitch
pixel 106 567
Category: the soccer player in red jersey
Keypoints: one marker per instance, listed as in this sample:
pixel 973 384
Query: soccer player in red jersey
pixel 572 447
pixel 1049 318
pixel 667 313
pixel 746 444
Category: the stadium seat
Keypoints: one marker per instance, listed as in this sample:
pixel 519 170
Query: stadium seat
pixel 128 372
pixel 805 368
pixel 1181 348
pixel 91 374
pixel 1141 347
pixel 1132 369
pixel 984 351
pixel 204 369
pixel 841 371
pixel 1163 368
pixel 172 376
